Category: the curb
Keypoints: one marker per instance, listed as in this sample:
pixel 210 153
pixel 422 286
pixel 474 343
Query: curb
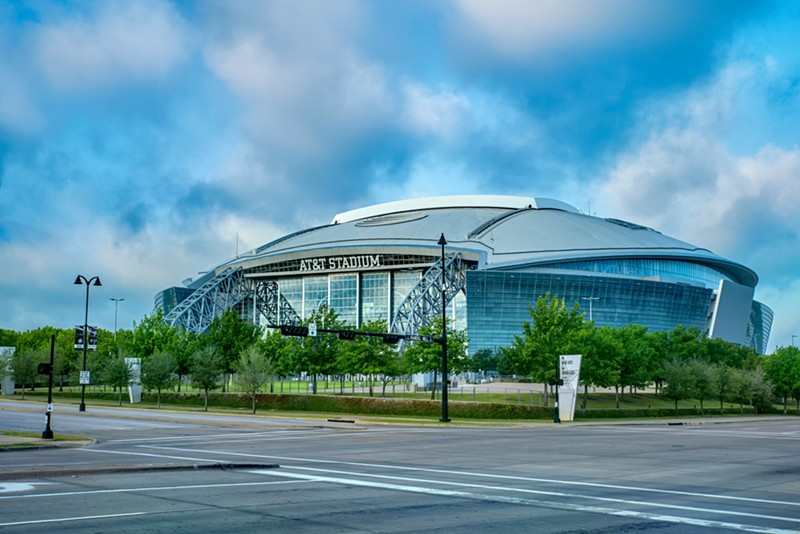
pixel 127 468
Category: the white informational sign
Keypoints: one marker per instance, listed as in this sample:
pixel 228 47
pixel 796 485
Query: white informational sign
pixel 85 376
pixel 135 386
pixel 312 329
pixel 570 366
pixel 6 353
pixel 50 407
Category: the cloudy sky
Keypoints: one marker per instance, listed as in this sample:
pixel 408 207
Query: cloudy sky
pixel 139 138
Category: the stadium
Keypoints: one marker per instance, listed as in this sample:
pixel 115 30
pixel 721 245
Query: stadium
pixel 501 254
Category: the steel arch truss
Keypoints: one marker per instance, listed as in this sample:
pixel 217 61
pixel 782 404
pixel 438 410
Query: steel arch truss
pixel 424 302
pixel 209 301
pixel 274 306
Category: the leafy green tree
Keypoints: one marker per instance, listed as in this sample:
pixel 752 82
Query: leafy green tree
pixel 485 360
pixel 182 346
pixel 158 372
pixel 279 349
pixel 703 380
pixel 679 380
pixel 253 370
pixel 117 374
pixel 751 386
pixel 601 351
pixel 424 357
pixel 316 355
pixel 205 371
pixel 8 338
pixel 553 330
pixel 24 365
pixel 721 383
pixel 783 370
pixel 149 335
pixel 635 367
pixel 231 335
pixel 367 355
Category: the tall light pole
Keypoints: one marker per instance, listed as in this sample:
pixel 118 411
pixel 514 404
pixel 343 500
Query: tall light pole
pixel 793 338
pixel 88 281
pixel 116 310
pixel 590 299
pixel 445 419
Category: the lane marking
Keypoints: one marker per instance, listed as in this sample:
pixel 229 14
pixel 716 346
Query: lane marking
pixel 13 487
pixel 542 492
pixel 539 503
pixel 492 476
pixel 146 489
pixel 62 519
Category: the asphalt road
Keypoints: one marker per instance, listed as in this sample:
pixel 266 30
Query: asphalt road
pixel 158 472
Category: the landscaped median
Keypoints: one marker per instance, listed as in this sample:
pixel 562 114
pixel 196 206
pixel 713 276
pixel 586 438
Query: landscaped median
pixel 30 440
pixel 383 406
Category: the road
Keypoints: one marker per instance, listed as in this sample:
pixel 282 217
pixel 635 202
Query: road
pixel 320 476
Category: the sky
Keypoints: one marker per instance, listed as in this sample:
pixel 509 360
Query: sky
pixel 145 141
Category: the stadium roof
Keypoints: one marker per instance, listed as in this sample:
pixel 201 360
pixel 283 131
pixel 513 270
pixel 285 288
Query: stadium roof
pixel 499 232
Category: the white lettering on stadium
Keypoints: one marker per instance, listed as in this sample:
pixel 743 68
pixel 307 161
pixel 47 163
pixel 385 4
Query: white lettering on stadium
pixel 340 263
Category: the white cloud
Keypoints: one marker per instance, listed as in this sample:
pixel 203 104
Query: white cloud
pixel 121 42
pixel 441 114
pixel 522 28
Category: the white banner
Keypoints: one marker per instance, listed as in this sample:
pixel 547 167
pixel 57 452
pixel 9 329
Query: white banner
pixel 135 386
pixel 570 367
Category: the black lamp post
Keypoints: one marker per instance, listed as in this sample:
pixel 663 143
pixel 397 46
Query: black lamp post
pixel 445 419
pixel 88 281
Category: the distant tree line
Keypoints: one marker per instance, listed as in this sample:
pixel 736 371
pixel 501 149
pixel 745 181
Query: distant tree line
pixel 680 364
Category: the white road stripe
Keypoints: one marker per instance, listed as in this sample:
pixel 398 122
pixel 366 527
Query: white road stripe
pixel 492 476
pixel 63 519
pixel 143 490
pixel 546 504
pixel 542 492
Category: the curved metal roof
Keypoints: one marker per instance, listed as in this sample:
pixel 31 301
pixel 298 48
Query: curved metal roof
pixel 503 232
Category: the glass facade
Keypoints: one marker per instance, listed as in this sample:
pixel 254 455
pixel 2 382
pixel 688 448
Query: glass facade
pixel 374 297
pixel 759 327
pixel 344 296
pixel 499 301
pixel 643 268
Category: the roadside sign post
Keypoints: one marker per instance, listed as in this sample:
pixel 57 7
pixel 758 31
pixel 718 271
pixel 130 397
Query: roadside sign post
pixel 48 432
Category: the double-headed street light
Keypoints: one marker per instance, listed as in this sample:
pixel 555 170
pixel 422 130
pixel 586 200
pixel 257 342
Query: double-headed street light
pixel 95 280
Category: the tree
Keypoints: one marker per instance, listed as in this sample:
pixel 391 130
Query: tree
pixel 316 355
pixel 367 355
pixel 722 379
pixel 679 381
pixel 783 370
pixel 253 370
pixel 151 334
pixel 485 360
pixel 182 346
pixel 24 365
pixel 158 372
pixel 750 386
pixel 424 357
pixel 601 350
pixel 117 374
pixel 703 380
pixel 231 335
pixel 205 370
pixel 552 331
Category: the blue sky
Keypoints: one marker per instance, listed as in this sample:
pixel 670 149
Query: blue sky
pixel 138 139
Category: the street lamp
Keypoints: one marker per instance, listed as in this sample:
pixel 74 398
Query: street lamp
pixel 445 419
pixel 116 310
pixel 88 281
pixel 793 338
pixel 590 299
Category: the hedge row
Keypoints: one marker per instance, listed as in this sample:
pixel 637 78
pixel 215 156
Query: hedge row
pixel 393 406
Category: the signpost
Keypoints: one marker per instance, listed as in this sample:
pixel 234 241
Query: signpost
pixel 48 368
